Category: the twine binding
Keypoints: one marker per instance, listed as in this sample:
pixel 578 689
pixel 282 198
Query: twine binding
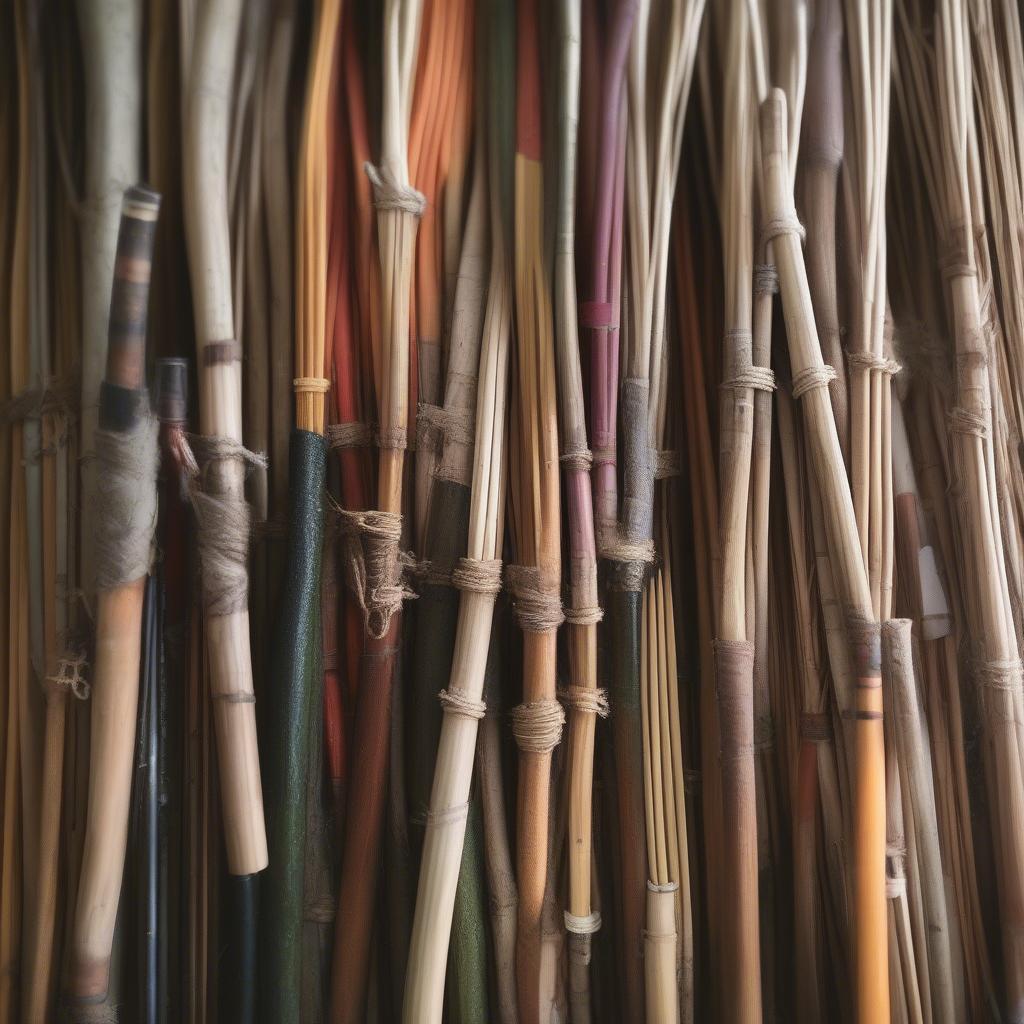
pixel 70 677
pixel 370 543
pixel 537 726
pixel 458 702
pixel 223 522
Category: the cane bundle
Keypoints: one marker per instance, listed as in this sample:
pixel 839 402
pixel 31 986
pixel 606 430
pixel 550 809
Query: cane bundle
pixel 806 801
pixel 377 535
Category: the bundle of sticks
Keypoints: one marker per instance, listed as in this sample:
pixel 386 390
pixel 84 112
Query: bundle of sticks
pixel 513 511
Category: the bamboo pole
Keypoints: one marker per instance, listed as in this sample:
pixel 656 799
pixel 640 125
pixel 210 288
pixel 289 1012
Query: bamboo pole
pixel 398 209
pixel 218 488
pixel 810 379
pixel 584 698
pixel 476 576
pixel 534 509
pixel 124 550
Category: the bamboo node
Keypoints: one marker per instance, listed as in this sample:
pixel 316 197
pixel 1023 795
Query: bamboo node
pixel 536 608
pixel 458 702
pixel 585 925
pixel 235 697
pixel 786 223
pixel 371 542
pixel 957 258
pixel 125 502
pixel 965 421
pixel 216 353
pixel 999 677
pixel 448 816
pixel 578 457
pixel 312 385
pixel 477 575
pixel 667 463
pixel 348 435
pixel 437 426
pixel 70 677
pixel 865 639
pixel 590 700
pixel 537 726
pixel 388 194
pixel 812 377
pixel 758 378
pixel 815 727
pixel 597 316
pixel 584 615
pixel 766 279
pixel 223 523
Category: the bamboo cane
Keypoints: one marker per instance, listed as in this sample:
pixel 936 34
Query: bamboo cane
pixel 810 378
pixel 124 551
pixel 476 575
pixel 111 41
pixel 584 698
pixel 218 498
pixel 10 839
pixel 398 208
pixel 504 897
pixel 734 649
pixel 916 774
pixel 534 509
pixel 48 461
pixel 599 317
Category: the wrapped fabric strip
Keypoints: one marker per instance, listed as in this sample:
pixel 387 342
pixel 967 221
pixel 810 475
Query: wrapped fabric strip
pixel 223 522
pixel 125 507
pixel 536 608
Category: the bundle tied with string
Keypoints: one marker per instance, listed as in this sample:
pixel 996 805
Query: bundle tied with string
pixel 223 522
pixel 124 502
pixel 373 565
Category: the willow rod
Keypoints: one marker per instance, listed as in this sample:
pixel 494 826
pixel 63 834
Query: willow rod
pixel 810 380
